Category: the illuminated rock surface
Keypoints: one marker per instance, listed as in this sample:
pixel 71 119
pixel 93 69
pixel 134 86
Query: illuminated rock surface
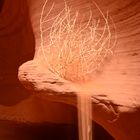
pixel 116 100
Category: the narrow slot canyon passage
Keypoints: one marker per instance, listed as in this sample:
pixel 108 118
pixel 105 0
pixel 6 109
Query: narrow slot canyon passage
pixel 28 112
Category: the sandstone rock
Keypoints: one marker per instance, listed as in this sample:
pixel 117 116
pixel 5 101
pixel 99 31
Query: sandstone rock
pixel 115 91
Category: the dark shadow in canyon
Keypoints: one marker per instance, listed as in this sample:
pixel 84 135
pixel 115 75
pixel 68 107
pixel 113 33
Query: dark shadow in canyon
pixel 1 4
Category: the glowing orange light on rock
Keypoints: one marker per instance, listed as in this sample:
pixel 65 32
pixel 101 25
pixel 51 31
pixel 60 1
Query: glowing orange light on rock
pixel 76 50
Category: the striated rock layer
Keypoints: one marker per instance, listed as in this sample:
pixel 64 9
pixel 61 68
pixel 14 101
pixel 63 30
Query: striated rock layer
pixel 115 90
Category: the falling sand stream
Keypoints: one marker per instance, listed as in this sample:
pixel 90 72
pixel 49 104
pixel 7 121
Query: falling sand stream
pixel 85 116
pixel 76 49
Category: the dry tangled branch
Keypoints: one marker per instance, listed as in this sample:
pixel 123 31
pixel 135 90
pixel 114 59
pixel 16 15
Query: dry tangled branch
pixel 75 49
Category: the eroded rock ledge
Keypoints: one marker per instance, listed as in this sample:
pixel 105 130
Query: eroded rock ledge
pixel 108 111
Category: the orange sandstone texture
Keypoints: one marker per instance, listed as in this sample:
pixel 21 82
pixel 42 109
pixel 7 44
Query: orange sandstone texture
pixel 17 46
pixel 115 90
pixel 116 101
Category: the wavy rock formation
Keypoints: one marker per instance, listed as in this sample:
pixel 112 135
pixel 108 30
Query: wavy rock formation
pixel 115 90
